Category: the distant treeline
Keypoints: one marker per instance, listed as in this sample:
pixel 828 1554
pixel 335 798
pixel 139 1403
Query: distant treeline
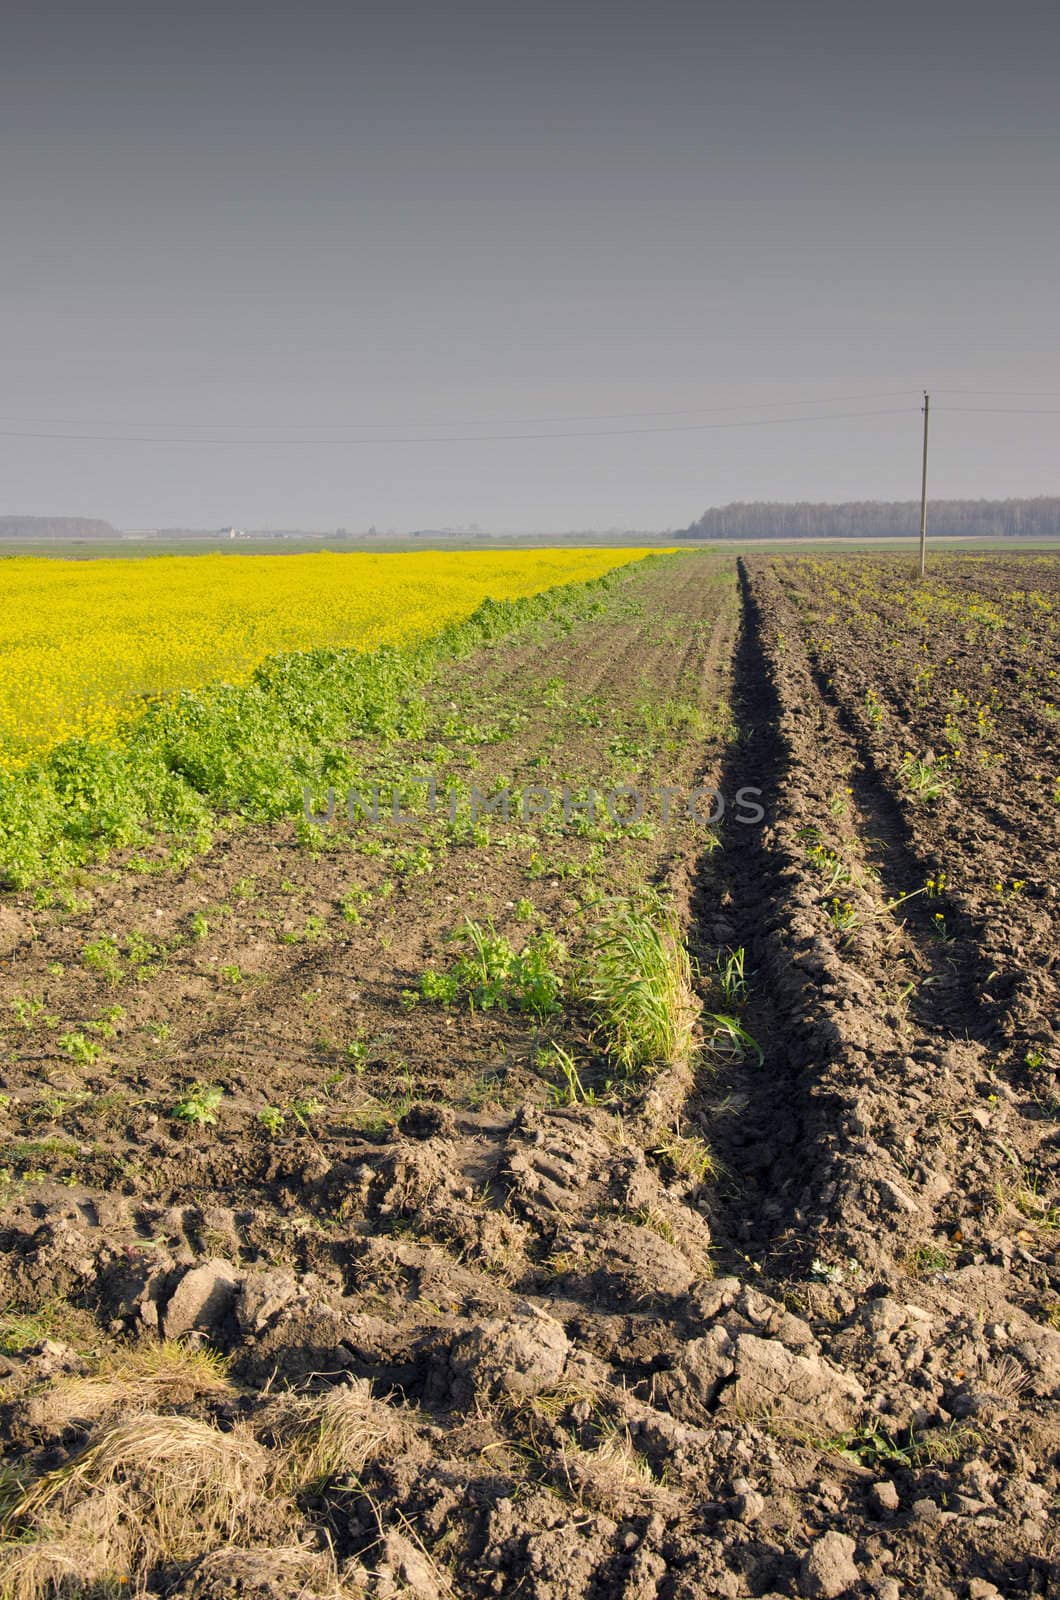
pixel 59 529
pixel 878 519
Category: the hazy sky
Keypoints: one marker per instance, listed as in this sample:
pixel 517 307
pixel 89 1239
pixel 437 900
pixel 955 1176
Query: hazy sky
pixel 311 222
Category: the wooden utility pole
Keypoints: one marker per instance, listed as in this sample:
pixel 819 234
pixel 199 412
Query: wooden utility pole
pixel 923 492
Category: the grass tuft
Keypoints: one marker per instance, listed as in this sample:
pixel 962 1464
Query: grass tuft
pixel 612 1474
pixel 640 986
pixel 148 1490
pixel 334 1435
pixel 145 1378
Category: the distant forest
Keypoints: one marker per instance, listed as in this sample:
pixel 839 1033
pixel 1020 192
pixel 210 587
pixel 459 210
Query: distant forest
pixel 878 519
pixel 58 529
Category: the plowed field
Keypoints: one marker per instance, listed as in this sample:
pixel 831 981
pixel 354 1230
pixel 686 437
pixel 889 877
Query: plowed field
pixel 356 1242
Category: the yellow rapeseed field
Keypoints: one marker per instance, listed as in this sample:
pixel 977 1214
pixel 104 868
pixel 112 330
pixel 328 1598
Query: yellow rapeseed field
pixel 82 641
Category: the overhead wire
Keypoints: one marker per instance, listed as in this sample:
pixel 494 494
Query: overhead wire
pixel 556 427
pixel 471 438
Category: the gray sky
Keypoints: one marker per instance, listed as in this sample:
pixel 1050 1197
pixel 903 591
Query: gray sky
pixel 405 220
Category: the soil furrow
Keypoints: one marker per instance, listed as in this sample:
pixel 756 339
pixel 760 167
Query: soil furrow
pixel 951 979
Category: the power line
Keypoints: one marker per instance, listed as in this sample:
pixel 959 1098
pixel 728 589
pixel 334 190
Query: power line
pixel 481 422
pixel 468 438
pixel 553 432
pixel 550 420
pixel 1004 411
pixel 1040 394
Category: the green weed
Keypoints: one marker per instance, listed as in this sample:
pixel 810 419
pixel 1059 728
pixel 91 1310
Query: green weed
pixel 102 957
pixel 570 1090
pixel 875 1448
pixel 686 1155
pixel 106 1024
pixel 639 984
pixel 730 1039
pixel 81 1050
pixel 489 973
pixel 731 976
pixel 200 1105
pixel 924 779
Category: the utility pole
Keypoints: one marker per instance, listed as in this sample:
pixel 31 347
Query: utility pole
pixel 923 492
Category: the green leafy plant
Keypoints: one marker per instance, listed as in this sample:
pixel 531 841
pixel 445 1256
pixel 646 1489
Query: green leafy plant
pixel 311 837
pixel 304 1109
pixel 489 973
pixel 353 904
pixel 140 950
pixel 199 1105
pixel 313 929
pixel 272 1120
pixel 873 709
pixel 101 956
pixel 875 1447
pixel 843 915
pixel 925 780
pixel 357 1055
pixel 483 970
pixel 829 864
pixel 535 983
pixel 440 988
pixel 413 862
pixel 79 1048
pixel 106 1024
pixel 27 1010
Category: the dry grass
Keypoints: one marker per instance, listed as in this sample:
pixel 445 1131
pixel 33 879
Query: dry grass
pixel 42 1568
pixel 150 1489
pixel 329 1436
pixel 302 1574
pixel 149 1377
pixel 566 1397
pixel 1002 1377
pixel 612 1475
pixel 156 1488
pixel 686 1154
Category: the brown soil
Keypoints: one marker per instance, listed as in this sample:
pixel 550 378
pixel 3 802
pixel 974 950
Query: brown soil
pixel 582 1362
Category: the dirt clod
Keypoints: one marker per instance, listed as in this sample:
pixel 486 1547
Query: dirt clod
pixel 884 1497
pixel 517 1357
pixel 828 1569
pixel 202 1299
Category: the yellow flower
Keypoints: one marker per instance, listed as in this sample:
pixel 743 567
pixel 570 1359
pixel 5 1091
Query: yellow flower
pixel 83 643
